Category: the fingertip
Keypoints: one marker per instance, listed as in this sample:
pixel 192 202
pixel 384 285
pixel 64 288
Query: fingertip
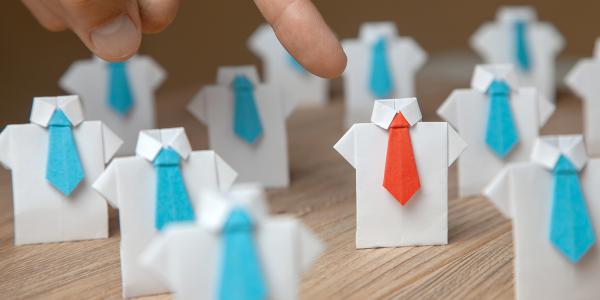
pixel 331 67
pixel 302 31
pixel 117 40
pixel 156 15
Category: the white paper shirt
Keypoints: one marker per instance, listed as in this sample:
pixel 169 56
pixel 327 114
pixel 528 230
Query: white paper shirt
pixel 467 110
pixel 523 192
pixel 381 221
pixel 42 214
pixel 265 161
pixel 583 80
pixel 494 41
pixel 188 257
pixel 405 58
pixel 129 184
pixel 89 79
pixel 301 88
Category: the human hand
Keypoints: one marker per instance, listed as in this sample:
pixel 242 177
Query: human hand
pixel 112 29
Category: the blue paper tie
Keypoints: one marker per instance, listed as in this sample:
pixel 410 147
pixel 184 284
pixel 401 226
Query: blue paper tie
pixel 501 133
pixel 296 65
pixel 241 274
pixel 120 98
pixel 381 83
pixel 63 166
pixel 521 46
pixel 571 230
pixel 172 200
pixel 246 121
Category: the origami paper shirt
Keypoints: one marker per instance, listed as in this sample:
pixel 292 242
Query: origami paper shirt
pixel 524 192
pixel 42 213
pixel 130 184
pixel 265 160
pixel 90 79
pixel 468 111
pixel 189 257
pixel 403 58
pixel 381 221
pixel 495 42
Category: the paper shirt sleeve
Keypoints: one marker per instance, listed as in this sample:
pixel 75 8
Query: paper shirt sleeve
pixel 416 55
pixel 310 246
pixel 581 79
pixel 448 111
pixel 156 74
pixel 5 154
pixel 107 184
pixel 225 173
pixel 456 145
pixel 289 103
pixel 482 38
pixel 498 191
pixel 155 258
pixel 555 41
pixel 112 142
pixel 198 106
pixel 546 108
pixel 346 146
pixel 73 78
pixel 259 40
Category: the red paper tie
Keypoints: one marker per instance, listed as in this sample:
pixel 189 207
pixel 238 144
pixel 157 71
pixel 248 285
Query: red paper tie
pixel 401 177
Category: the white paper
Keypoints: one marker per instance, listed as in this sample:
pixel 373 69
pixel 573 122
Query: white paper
pixel 89 79
pixel 525 191
pixel 583 81
pixel 381 221
pixel 467 110
pixel 188 258
pixel 265 161
pixel 129 184
pixel 494 41
pixel 302 88
pixel 42 214
pixel 405 57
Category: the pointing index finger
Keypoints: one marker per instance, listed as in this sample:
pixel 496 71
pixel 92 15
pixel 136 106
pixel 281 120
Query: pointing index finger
pixel 303 32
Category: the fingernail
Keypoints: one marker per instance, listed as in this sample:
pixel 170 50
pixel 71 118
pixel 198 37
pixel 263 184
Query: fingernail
pixel 117 38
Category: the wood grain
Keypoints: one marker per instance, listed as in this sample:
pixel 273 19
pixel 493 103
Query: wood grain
pixel 477 264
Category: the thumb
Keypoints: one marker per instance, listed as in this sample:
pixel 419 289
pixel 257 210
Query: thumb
pixel 109 28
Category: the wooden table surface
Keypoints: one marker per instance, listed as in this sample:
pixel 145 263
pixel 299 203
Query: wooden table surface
pixel 477 263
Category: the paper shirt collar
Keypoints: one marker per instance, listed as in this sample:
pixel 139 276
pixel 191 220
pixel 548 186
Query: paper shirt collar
pixel 384 111
pixel 372 31
pixel 484 75
pixel 213 207
pixel 548 149
pixel 511 14
pixel 44 107
pixel 225 75
pixel 150 142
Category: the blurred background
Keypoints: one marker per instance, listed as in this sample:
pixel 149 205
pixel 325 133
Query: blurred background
pixel 209 33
